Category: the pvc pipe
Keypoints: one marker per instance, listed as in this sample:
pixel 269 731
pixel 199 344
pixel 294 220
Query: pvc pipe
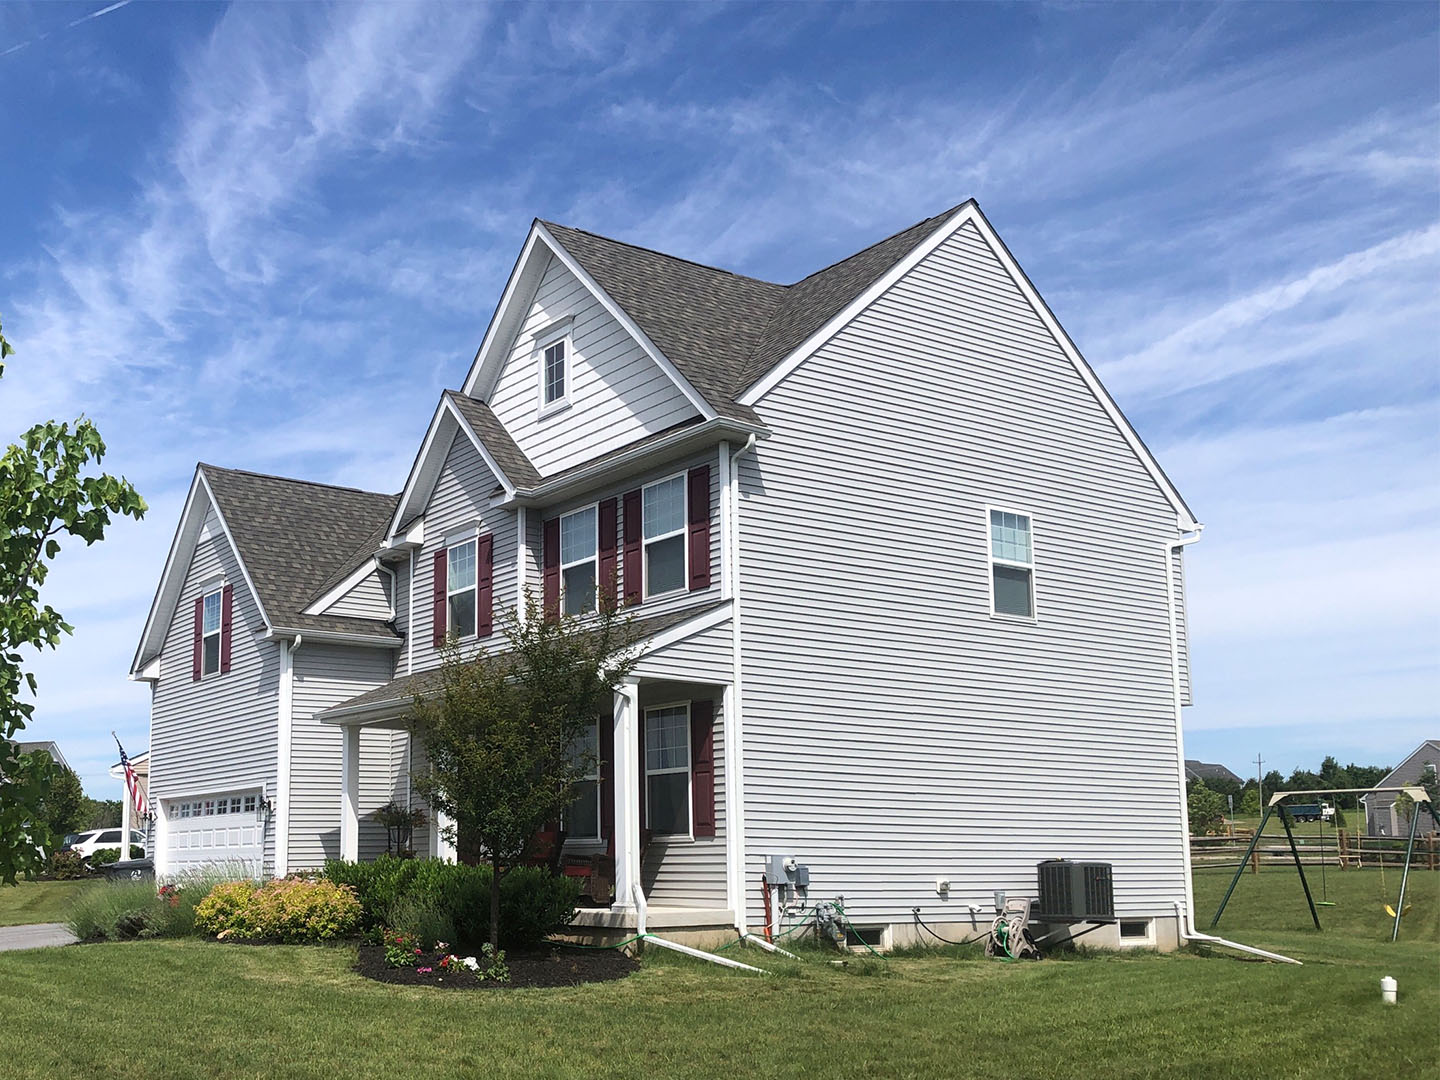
pixel 768 946
pixel 1388 988
pixel 723 961
pixel 1182 922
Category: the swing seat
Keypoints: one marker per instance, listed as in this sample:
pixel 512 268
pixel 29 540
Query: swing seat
pixel 1391 911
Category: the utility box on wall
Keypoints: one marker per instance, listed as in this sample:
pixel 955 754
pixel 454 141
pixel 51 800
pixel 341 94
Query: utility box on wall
pixel 786 872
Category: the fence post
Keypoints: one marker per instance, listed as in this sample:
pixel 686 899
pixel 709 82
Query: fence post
pixel 1254 862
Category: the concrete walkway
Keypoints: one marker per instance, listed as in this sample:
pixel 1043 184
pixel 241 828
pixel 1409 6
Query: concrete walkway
pixel 35 936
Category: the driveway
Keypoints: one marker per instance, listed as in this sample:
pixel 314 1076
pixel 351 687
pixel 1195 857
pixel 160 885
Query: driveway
pixel 35 936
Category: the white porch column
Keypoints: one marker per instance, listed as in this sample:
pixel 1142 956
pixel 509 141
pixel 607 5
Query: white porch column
pixel 350 793
pixel 161 840
pixel 627 796
pixel 443 848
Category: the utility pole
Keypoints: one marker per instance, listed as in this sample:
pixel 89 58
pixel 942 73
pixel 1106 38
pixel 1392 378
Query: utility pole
pixel 1260 780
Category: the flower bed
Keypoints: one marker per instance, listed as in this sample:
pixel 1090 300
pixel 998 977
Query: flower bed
pixel 545 967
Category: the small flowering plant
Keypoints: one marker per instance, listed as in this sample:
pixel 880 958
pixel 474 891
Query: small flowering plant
pixel 170 894
pixel 400 949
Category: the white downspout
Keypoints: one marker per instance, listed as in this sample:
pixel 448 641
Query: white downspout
pixel 410 619
pixel 1169 549
pixel 734 699
pixel 1182 919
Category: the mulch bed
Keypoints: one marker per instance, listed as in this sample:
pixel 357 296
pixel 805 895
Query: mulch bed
pixel 559 966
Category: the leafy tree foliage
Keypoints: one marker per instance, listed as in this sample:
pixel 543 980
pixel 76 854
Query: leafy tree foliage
pixel 1250 802
pixel 48 490
pixel 100 814
pixel 63 809
pixel 501 735
pixel 1207 810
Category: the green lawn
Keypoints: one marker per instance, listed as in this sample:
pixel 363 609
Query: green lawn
pixel 202 1010
pixel 36 901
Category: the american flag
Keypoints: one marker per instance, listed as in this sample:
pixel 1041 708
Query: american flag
pixel 132 782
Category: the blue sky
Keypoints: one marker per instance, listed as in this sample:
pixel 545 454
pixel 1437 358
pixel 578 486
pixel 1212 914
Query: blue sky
pixel 268 236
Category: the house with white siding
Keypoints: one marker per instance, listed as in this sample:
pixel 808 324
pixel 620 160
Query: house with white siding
pixel 1419 766
pixel 910 586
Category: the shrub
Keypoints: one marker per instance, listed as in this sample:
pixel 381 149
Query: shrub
pixel 292 911
pixel 117 911
pixel 104 856
pixel 65 866
pixel 1207 810
pixel 533 902
pixel 420 918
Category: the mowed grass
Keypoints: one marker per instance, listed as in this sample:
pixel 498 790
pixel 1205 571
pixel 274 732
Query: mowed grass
pixel 37 901
pixel 204 1010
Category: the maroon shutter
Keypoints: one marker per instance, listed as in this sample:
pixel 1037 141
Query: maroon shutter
pixel 195 661
pixel 634 576
pixel 437 595
pixel 607 782
pixel 700 527
pixel 702 767
pixel 608 568
pixel 550 575
pixel 485 586
pixel 227 605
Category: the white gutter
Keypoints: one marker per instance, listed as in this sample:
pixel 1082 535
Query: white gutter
pixel 1182 926
pixel 368 641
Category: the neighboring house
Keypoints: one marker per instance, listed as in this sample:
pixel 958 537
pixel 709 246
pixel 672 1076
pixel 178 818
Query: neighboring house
pixel 1380 816
pixel 1204 770
pixel 908 582
pixel 48 746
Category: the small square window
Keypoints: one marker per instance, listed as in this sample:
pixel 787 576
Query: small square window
pixel 209 807
pixel 249 804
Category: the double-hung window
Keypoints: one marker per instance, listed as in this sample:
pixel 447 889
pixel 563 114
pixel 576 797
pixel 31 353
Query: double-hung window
pixel 210 634
pixel 460 602
pixel 578 569
pixel 663 511
pixel 554 352
pixel 582 817
pixel 667 770
pixel 1012 565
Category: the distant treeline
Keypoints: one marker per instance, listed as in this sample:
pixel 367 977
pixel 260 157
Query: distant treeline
pixel 1331 775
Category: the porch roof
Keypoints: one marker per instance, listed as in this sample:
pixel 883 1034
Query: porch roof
pixel 394 697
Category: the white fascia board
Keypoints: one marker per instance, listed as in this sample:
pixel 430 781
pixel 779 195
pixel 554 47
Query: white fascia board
pixel 966 215
pixel 359 574
pixel 193 498
pixel 235 550
pixel 333 637
pixel 420 484
pixel 491 357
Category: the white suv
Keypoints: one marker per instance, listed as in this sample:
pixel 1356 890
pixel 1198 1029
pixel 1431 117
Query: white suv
pixel 86 844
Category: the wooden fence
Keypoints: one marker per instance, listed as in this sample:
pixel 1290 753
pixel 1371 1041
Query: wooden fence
pixel 1345 850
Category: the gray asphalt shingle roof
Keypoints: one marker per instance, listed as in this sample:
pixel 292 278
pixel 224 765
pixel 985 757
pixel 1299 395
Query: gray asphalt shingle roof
pixel 506 452
pixel 723 331
pixel 295 536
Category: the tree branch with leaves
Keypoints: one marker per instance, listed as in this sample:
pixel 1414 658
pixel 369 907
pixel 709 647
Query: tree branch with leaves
pixel 49 490
pixel 502 735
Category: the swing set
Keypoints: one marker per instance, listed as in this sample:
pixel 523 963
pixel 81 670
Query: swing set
pixel 1277 806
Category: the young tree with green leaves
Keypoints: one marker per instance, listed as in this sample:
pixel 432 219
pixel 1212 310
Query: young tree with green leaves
pixel 1206 809
pixel 48 490
pixel 501 737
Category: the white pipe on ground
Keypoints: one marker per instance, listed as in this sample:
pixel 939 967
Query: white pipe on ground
pixel 751 939
pixel 702 955
pixel 1182 923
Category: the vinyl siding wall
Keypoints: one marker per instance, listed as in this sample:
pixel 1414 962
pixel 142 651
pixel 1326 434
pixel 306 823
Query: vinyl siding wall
pixel 896 733
pixel 218 734
pixel 324 676
pixel 461 500
pixel 617 393
pixel 688 873
pixel 370 599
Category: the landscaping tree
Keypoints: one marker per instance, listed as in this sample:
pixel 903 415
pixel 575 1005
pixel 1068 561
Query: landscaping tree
pixel 46 491
pixel 501 735
pixel 64 806
pixel 1250 802
pixel 1207 810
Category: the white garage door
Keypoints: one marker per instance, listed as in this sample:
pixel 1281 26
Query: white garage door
pixel 215 829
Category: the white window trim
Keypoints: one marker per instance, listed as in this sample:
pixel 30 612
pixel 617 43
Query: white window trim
pixel 556 332
pixel 594 506
pixel 689 833
pixel 599 795
pixel 218 633
pixel 991 562
pixel 682 532
pixel 451 543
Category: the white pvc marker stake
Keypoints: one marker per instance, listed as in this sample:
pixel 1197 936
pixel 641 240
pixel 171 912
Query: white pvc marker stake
pixel 1388 987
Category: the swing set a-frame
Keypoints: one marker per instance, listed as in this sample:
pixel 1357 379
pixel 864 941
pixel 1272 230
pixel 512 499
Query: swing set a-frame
pixel 1276 805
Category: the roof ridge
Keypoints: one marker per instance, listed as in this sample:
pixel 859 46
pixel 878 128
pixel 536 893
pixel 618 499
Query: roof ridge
pixel 883 240
pixel 664 254
pixel 295 480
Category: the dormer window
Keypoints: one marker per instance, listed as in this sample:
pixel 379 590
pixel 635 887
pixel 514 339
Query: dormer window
pixel 554 355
